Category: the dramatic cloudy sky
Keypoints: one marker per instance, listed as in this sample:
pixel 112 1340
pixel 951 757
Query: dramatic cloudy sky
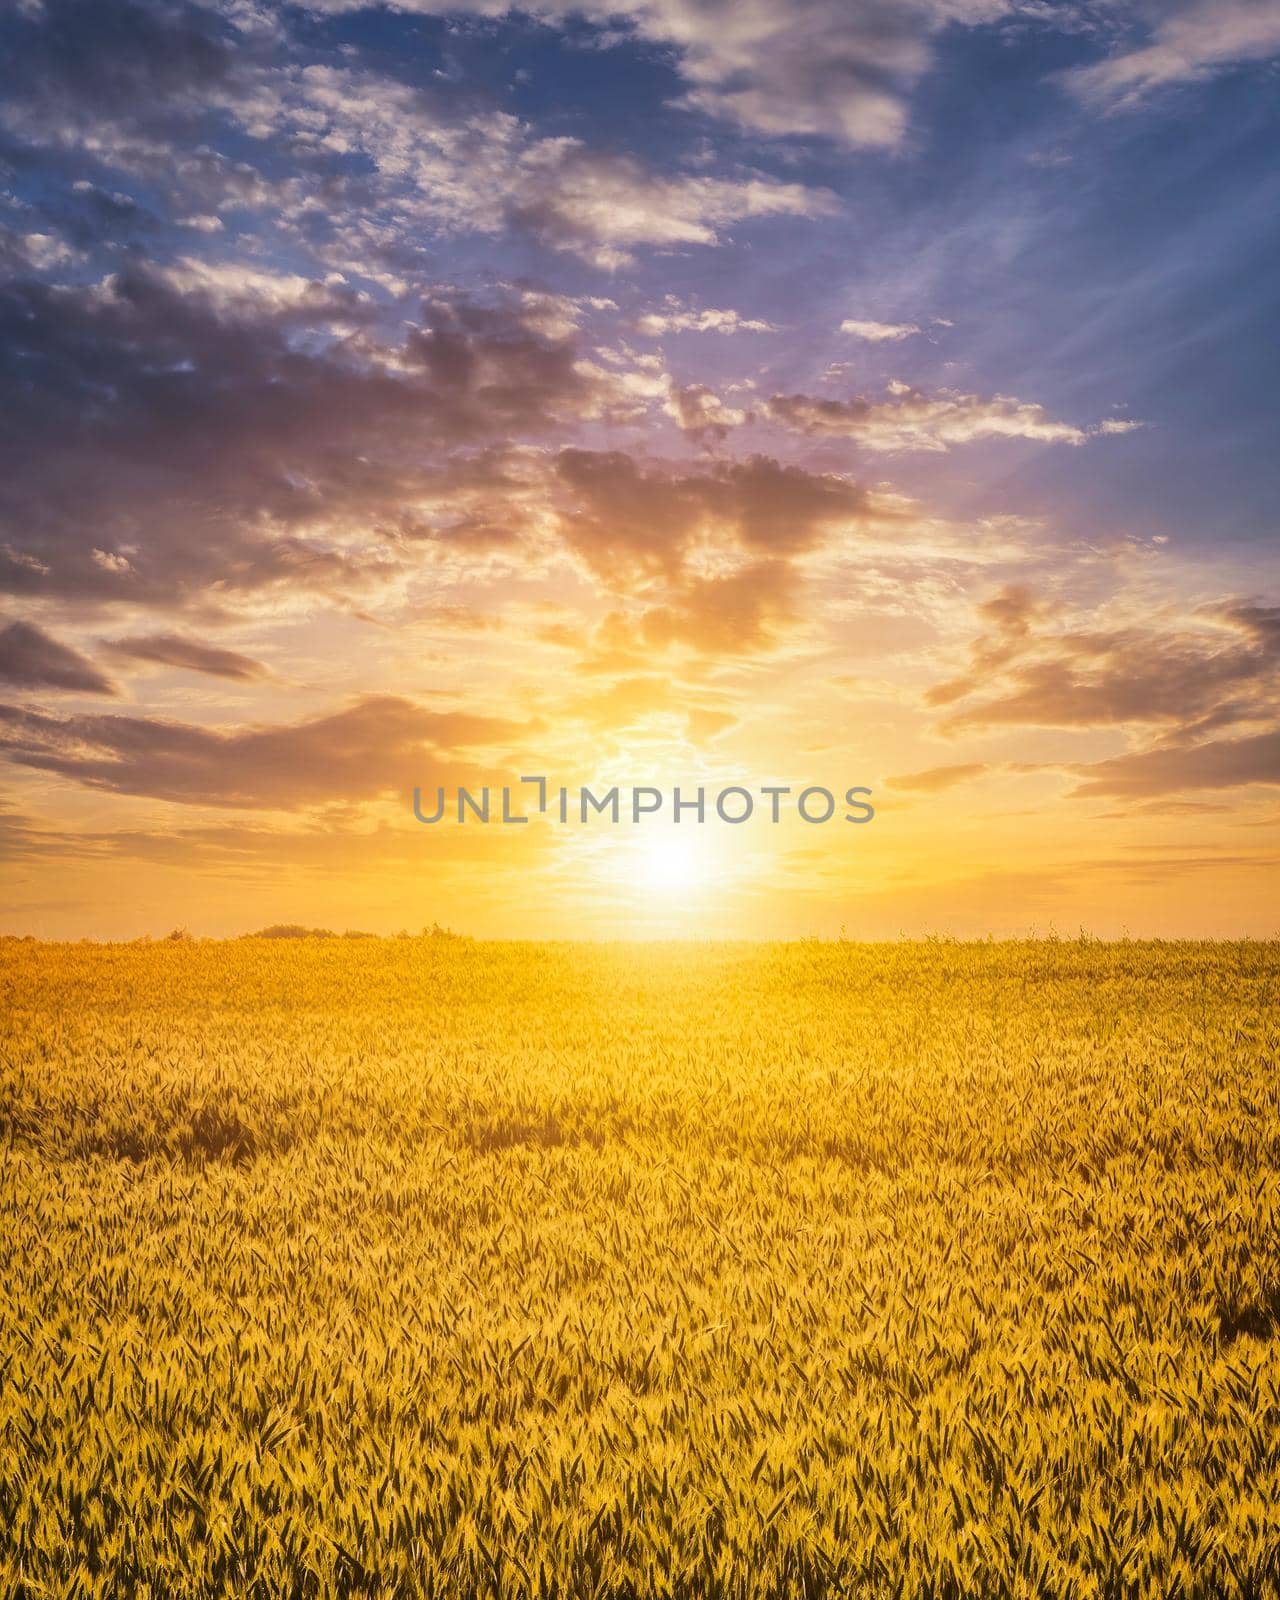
pixel 841 392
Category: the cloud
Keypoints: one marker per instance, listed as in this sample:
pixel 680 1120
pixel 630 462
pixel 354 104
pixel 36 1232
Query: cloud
pixel 934 779
pixel 556 316
pixel 878 332
pixel 842 69
pixel 1215 669
pixel 711 557
pixel 1187 43
pixel 32 252
pixel 23 838
pixel 485 171
pixel 1217 764
pixel 630 520
pixel 173 650
pixel 338 844
pixel 238 289
pixel 30 659
pixel 729 614
pixel 81 63
pixel 381 745
pixel 678 318
pixel 158 443
pixel 1173 808
pixel 602 206
pixel 700 412
pixel 370 159
pixel 913 420
pixel 632 702
pixel 1035 668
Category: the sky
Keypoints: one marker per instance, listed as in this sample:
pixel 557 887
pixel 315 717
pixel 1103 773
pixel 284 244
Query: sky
pixel 836 393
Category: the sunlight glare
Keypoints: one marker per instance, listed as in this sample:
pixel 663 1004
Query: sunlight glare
pixel 670 862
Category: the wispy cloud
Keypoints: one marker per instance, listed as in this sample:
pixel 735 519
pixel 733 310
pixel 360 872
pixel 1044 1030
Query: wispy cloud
pixel 368 750
pixel 676 317
pixel 910 419
pixel 1041 666
pixel 1216 764
pixel 1189 42
pixel 31 659
pixel 191 655
pixel 878 332
pixel 932 780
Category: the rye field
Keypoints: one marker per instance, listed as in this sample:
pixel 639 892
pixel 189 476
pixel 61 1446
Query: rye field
pixel 424 1267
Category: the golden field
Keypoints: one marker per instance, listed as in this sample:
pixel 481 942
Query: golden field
pixel 429 1267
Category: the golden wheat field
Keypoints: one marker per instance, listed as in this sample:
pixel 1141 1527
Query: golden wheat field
pixel 429 1267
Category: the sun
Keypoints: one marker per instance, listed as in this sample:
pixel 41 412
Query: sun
pixel 669 862
pixel 657 876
